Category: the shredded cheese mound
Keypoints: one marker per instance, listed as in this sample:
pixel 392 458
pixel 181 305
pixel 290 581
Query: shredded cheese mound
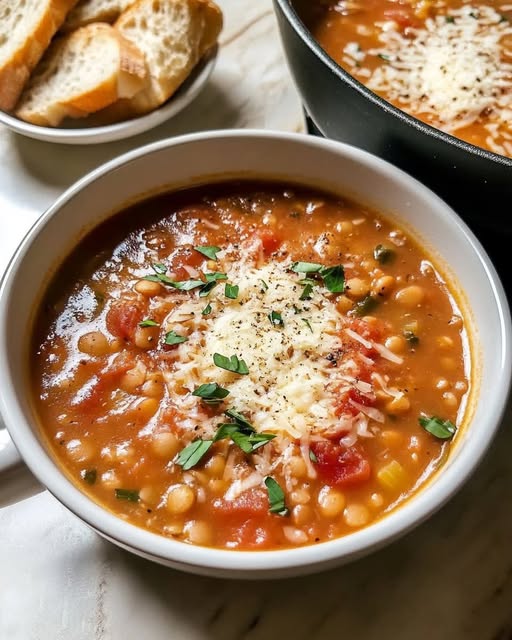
pixel 290 384
pixel 454 69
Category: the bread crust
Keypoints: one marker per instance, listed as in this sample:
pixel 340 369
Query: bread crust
pixel 129 78
pixel 16 70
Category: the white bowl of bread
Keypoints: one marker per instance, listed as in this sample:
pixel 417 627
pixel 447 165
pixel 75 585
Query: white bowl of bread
pixel 101 70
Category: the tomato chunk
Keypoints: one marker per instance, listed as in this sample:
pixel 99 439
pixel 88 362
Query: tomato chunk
pixel 123 318
pixel 249 504
pixel 269 240
pixel 339 465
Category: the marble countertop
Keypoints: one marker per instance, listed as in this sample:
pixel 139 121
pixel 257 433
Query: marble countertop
pixel 450 579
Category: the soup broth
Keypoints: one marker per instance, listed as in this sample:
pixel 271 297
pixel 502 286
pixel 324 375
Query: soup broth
pixel 446 62
pixel 250 365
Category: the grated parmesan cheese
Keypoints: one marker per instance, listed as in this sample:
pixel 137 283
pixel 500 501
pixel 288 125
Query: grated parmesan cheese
pixel 452 70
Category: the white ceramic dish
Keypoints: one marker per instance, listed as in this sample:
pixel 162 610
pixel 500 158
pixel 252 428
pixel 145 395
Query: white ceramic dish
pixel 214 156
pixel 81 132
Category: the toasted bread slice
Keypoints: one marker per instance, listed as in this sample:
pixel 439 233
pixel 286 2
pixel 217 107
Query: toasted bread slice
pixel 87 11
pixel 81 73
pixel 173 35
pixel 26 29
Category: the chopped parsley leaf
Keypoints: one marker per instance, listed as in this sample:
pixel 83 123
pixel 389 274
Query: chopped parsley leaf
pixel 171 337
pixel 276 497
pixel 207 310
pixel 192 453
pixel 211 393
pixel 231 291
pixel 209 252
pixel 276 319
pixel 442 429
pixel 148 322
pixel 130 495
pixel 234 364
pixel 89 475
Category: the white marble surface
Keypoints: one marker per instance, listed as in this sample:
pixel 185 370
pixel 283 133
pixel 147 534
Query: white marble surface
pixel 450 579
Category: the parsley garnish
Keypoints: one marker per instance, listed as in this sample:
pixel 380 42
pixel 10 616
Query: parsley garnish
pixel 312 456
pixel 211 393
pixel 171 337
pixel 333 277
pixel 276 319
pixel 276 497
pixel 192 453
pixel 442 429
pixel 89 475
pixel 207 310
pixel 130 495
pixel 231 291
pixel 411 338
pixel 209 252
pixel 233 364
pixel 383 254
pixel 383 56
pixel 365 306
pixel 148 322
pixel 306 267
pixel 264 285
pixel 307 323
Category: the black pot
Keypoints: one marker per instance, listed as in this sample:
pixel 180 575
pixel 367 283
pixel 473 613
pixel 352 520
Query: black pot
pixel 476 183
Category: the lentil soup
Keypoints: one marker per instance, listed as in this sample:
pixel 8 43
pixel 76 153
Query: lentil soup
pixel 446 62
pixel 250 365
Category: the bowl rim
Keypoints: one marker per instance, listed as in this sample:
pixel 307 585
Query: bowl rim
pixel 296 22
pixel 233 563
pixel 184 95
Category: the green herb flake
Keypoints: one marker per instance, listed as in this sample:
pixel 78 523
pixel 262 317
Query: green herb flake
pixel 308 324
pixel 239 419
pixel 334 278
pixel 89 475
pixel 159 267
pixel 215 275
pixel 365 306
pixel 249 443
pixel 442 429
pixel 276 319
pixel 411 337
pixel 306 292
pixel 450 19
pixel 306 267
pixel 192 454
pixel 171 338
pixel 130 495
pixel 234 364
pixel 264 285
pixel 148 322
pixel 207 310
pixel 209 252
pixel 231 291
pixel 383 56
pixel 383 254
pixel 211 393
pixel 312 456
pixel 276 497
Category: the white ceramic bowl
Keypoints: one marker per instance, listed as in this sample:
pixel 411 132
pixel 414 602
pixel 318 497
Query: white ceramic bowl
pixel 80 131
pixel 215 156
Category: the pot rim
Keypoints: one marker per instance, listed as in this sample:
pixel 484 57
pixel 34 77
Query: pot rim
pixel 298 25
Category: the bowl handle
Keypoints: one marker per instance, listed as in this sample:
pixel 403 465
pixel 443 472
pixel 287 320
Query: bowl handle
pixel 16 481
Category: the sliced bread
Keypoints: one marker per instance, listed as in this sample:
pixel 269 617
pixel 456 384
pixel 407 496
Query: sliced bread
pixel 173 35
pixel 26 29
pixel 87 11
pixel 81 73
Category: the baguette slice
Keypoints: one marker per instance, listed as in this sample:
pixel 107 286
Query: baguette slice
pixel 173 35
pixel 87 11
pixel 82 73
pixel 26 29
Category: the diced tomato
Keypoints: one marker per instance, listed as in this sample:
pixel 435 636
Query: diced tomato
pixel 123 317
pixel 252 535
pixel 402 16
pixel 269 240
pixel 339 465
pixel 344 407
pixel 185 255
pixel 249 504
